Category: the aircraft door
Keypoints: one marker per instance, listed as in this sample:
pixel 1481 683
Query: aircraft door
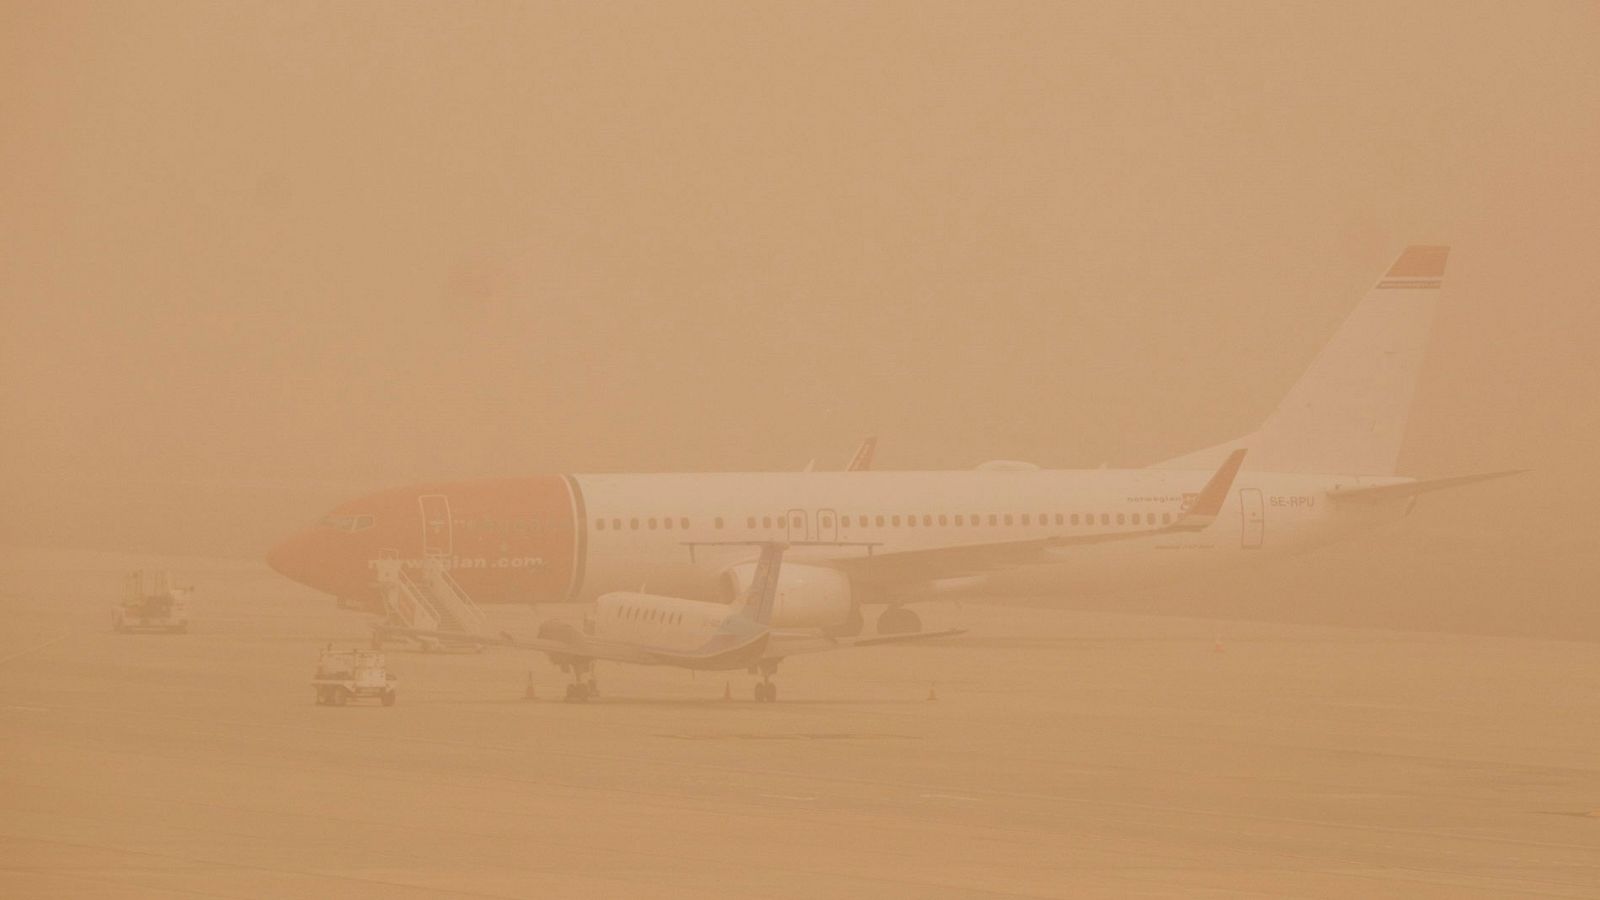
pixel 827 525
pixel 1253 518
pixel 799 525
pixel 436 531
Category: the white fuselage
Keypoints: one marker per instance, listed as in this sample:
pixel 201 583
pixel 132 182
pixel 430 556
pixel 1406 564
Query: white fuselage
pixel 637 528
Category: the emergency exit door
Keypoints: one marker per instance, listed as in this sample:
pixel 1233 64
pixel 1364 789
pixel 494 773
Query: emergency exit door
pixel 1253 517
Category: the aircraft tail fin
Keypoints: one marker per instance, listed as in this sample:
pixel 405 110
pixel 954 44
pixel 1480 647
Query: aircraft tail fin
pixel 1347 413
pixel 862 460
pixel 763 592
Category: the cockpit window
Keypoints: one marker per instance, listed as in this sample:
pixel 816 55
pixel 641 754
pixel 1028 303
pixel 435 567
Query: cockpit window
pixel 347 524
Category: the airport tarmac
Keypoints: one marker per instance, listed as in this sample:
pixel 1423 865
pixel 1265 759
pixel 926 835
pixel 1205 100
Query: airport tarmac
pixel 1067 754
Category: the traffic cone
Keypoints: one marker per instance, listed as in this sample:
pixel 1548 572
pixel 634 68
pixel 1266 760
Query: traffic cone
pixel 727 690
pixel 1216 645
pixel 931 694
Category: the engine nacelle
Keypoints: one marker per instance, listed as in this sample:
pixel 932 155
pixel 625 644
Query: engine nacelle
pixel 807 597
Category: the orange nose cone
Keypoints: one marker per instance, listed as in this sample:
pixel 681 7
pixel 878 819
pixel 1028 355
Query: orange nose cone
pixel 298 559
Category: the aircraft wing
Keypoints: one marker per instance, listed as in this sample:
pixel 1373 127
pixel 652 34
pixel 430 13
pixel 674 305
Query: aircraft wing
pixel 1385 492
pixel 784 645
pixel 977 559
pixel 722 654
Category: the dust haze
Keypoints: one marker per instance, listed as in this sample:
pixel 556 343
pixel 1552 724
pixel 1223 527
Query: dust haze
pixel 259 258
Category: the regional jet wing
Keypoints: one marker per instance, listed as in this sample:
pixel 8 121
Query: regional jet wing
pixel 976 559
pixel 784 645
pixel 718 653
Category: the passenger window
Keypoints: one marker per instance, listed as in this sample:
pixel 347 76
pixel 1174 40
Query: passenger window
pixel 599 524
pixel 1008 518
pixel 766 521
pixel 879 521
pixel 993 520
pixel 652 523
pixel 896 521
pixel 750 522
pixel 797 522
pixel 1166 518
pixel 960 520
pixel 943 521
pixel 1025 519
pixel 684 524
pixel 827 521
pixel 1119 518
pixel 633 524
pixel 717 522
pixel 667 523
pixel 1074 518
pixel 1060 519
pixel 616 524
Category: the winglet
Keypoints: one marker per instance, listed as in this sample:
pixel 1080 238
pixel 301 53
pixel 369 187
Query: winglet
pixel 1208 503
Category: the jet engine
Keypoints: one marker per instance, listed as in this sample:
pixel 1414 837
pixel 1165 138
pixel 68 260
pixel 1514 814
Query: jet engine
pixel 808 596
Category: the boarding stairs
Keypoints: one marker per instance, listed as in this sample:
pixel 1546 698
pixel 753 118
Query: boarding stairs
pixel 425 599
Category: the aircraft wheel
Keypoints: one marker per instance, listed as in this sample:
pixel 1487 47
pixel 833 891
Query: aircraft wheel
pixel 899 620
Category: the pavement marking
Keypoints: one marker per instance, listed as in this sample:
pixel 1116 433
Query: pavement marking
pixel 35 649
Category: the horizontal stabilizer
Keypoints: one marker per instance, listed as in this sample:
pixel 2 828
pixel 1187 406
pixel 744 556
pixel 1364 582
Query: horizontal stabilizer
pixel 1384 492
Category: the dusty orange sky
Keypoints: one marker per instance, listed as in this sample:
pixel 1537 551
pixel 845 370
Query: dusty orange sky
pixel 258 257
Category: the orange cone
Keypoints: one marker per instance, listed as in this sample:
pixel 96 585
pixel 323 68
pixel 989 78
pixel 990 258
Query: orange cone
pixel 1216 646
pixel 931 694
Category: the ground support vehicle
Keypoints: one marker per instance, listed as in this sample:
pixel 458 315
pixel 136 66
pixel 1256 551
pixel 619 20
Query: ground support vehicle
pixel 150 603
pixel 346 675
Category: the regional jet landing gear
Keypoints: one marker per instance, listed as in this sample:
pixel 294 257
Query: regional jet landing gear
pixel 584 687
pixel 899 620
pixel 766 691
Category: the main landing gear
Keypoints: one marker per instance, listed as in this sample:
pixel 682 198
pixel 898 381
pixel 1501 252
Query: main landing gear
pixel 766 691
pixel 899 620
pixel 584 687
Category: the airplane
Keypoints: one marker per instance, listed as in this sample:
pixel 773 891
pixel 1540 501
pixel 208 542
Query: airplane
pixel 655 630
pixel 1321 468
